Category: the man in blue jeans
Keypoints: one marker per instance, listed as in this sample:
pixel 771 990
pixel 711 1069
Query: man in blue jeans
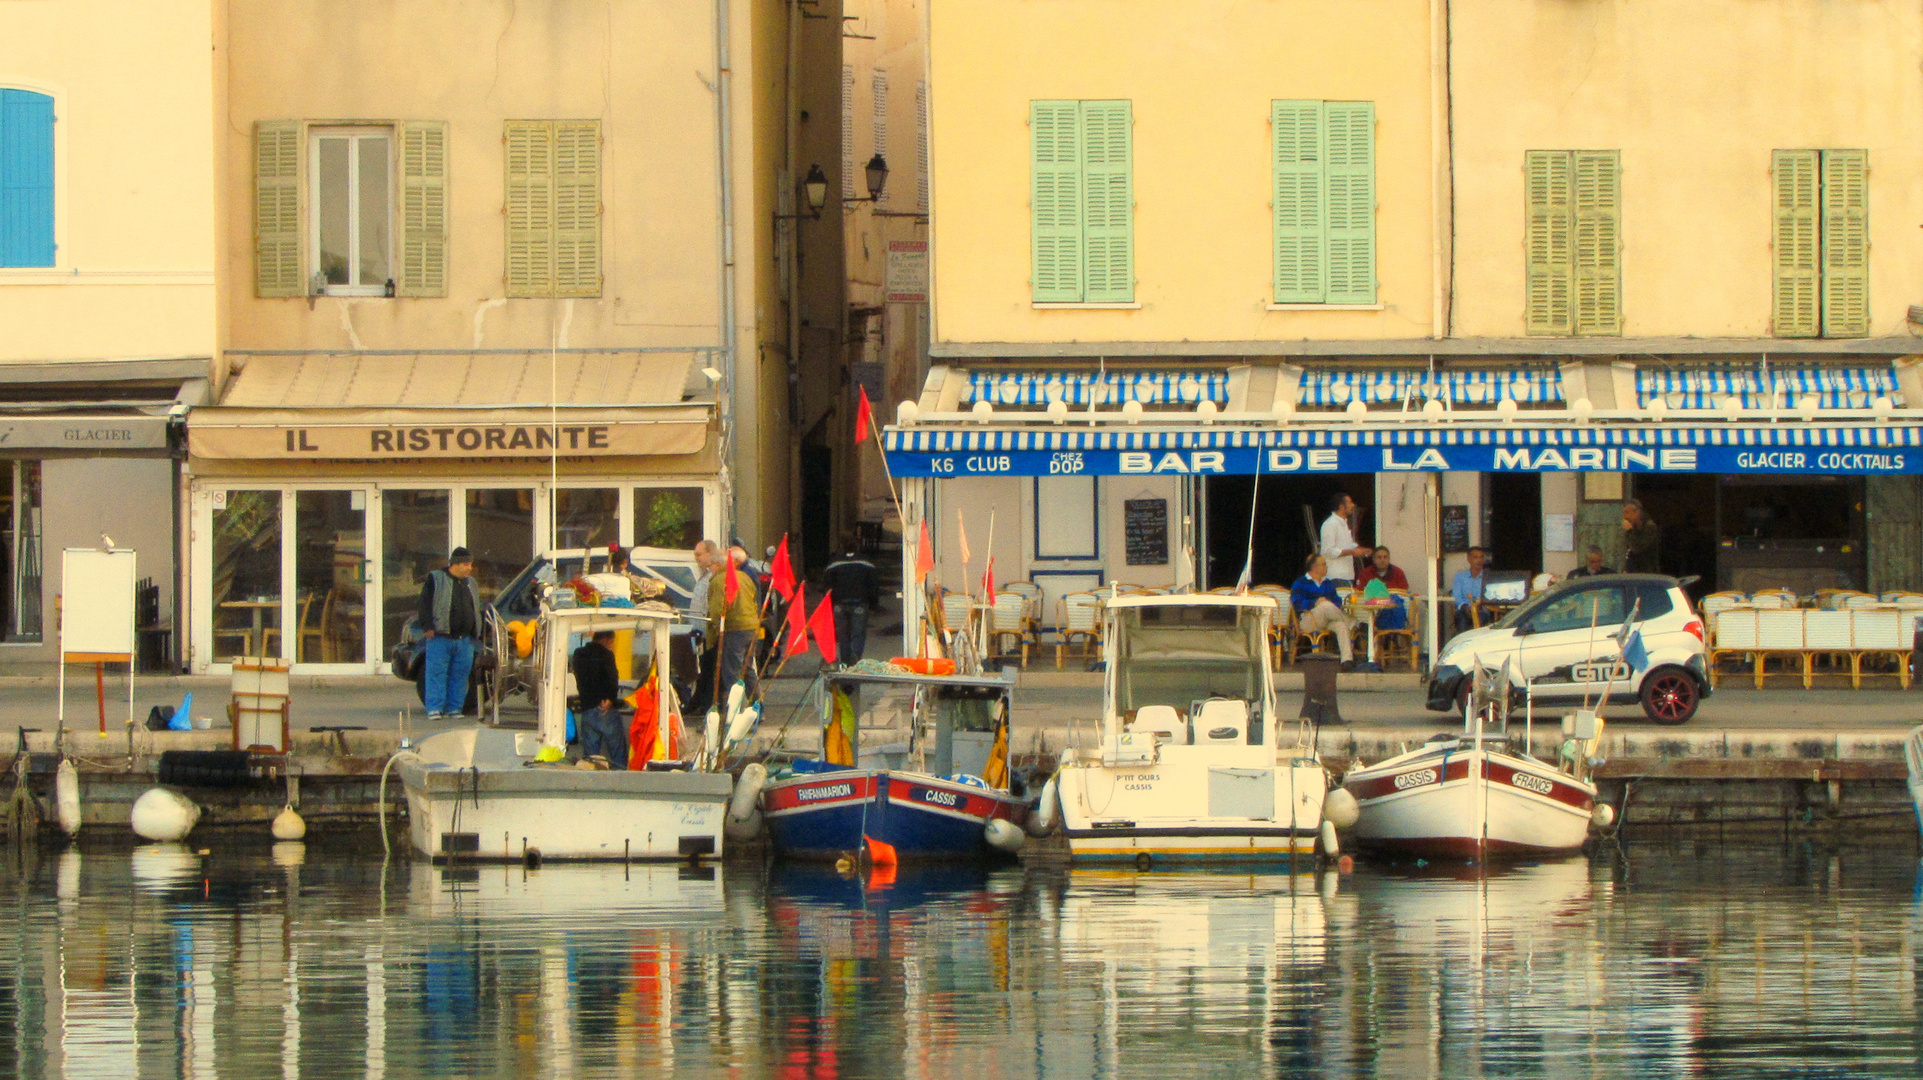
pixel 450 614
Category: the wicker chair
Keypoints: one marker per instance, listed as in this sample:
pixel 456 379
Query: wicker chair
pixel 1399 644
pixel 1080 619
pixel 957 613
pixel 1297 636
pixel 1009 618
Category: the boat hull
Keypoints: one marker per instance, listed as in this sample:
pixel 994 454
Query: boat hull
pixel 1192 808
pixel 824 816
pixel 1452 802
pixel 466 802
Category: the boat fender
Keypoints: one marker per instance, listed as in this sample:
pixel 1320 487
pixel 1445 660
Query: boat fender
pixel 743 724
pixel 747 792
pixel 711 735
pixel 1331 847
pixel 289 825
pixel 160 814
pixel 1339 808
pixel 1603 816
pixel 1003 835
pixel 66 797
pixel 744 830
pixel 1043 820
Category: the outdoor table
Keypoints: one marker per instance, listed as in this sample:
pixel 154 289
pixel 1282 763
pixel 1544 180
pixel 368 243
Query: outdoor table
pixel 259 610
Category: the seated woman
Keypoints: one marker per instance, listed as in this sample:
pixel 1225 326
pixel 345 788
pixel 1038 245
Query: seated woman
pixel 1318 607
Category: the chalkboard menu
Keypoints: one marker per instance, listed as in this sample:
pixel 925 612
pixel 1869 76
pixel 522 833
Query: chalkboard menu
pixel 1455 529
pixel 1145 522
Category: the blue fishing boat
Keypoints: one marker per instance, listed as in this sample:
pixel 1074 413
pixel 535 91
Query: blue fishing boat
pixel 942 794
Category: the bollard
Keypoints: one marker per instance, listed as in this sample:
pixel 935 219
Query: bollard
pixel 1318 689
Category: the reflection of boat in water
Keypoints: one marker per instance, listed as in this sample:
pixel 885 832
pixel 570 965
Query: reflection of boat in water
pixel 880 888
pixel 936 796
pixel 594 893
pixel 1187 765
pixel 485 793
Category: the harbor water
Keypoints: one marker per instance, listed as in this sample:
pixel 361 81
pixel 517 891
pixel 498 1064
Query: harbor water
pixel 325 961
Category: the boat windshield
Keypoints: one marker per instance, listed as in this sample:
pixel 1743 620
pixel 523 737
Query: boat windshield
pixel 1177 655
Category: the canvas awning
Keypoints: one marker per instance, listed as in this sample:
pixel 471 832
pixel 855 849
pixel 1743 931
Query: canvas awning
pixel 1706 388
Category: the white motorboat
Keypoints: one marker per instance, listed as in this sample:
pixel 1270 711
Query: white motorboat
pixel 1190 763
pixel 1479 794
pixel 486 792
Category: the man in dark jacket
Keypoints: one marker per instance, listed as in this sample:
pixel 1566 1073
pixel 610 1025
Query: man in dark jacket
pixel 597 681
pixel 856 587
pixel 450 619
pixel 1642 541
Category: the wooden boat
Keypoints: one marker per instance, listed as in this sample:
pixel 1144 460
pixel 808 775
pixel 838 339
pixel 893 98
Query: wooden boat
pixel 1191 763
pixel 483 792
pixel 1480 794
pixel 941 794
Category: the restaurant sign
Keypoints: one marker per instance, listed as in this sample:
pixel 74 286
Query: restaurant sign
pixel 448 440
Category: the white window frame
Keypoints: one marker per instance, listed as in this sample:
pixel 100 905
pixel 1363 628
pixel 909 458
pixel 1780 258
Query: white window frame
pixel 354 135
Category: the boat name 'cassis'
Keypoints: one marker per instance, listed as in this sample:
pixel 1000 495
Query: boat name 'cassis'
pixel 1415 779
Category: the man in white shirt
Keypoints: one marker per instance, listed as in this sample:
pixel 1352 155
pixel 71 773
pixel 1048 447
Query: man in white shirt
pixel 1337 543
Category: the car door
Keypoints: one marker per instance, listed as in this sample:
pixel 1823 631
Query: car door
pixel 1561 642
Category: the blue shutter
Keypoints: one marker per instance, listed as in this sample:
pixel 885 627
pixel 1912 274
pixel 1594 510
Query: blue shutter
pixel 26 179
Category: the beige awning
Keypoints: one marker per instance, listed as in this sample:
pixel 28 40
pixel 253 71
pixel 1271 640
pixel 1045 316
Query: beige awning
pixel 482 380
pixel 415 434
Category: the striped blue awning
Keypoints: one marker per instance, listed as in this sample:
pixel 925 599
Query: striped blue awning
pixel 1781 387
pixel 1485 387
pixel 1816 436
pixel 1187 388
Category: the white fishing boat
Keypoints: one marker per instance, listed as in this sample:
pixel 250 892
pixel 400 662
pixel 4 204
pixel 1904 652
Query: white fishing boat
pixel 498 793
pixel 1913 756
pixel 1191 762
pixel 1481 794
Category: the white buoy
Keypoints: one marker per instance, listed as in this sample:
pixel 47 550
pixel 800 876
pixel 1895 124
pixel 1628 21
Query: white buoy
pixel 743 724
pixel 66 797
pixel 1003 835
pixel 160 814
pixel 1043 821
pixel 289 825
pixel 1603 816
pixel 1331 847
pixel 747 792
pixel 1339 808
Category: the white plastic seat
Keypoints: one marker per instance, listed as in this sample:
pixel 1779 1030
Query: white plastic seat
pixel 1222 720
pixel 1164 721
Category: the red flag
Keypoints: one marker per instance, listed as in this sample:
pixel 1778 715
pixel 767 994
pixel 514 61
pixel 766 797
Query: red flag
pixel 988 578
pixel 728 587
pixel 924 554
pixel 797 623
pixel 781 575
pixel 864 419
pixel 822 625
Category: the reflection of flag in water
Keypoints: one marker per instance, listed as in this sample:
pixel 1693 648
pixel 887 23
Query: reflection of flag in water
pixel 838 739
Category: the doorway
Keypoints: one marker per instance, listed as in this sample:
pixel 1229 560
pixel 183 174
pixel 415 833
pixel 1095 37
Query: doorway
pixel 1512 520
pixel 1288 515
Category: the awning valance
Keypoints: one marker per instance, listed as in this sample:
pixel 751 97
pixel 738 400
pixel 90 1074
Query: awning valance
pixel 1080 388
pixel 1708 448
pixel 1780 387
pixel 292 435
pixel 1470 387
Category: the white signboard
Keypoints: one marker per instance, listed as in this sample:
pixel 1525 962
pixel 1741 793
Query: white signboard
pixel 97 602
pixel 1559 532
pixel 907 272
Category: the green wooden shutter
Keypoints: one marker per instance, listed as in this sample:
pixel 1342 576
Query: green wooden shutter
pixel 530 208
pixel 577 208
pixel 1108 203
pixel 1598 247
pixel 1796 305
pixel 423 209
pixel 1846 243
pixel 277 270
pixel 1349 186
pixel 1055 200
pixel 1549 270
pixel 1298 201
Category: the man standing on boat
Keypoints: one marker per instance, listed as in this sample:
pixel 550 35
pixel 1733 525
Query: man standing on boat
pixel 856 587
pixel 450 614
pixel 1337 543
pixel 597 680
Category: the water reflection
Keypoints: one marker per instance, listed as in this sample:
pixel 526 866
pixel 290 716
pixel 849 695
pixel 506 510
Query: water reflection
pixel 316 960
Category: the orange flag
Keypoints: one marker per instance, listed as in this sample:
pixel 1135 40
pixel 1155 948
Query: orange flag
pixel 924 554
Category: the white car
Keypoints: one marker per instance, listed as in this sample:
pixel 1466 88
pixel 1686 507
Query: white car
pixel 1563 640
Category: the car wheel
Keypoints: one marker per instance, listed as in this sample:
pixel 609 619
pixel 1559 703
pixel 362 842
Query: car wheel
pixel 1670 695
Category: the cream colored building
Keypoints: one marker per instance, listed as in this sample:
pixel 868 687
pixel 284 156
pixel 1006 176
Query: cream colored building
pixel 107 301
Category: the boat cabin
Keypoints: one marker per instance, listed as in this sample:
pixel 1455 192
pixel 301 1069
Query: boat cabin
pixel 1189 675
pixel 565 629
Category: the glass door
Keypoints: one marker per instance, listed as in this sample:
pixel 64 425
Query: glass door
pixel 329 577
pixel 244 602
pixel 415 541
pixel 499 530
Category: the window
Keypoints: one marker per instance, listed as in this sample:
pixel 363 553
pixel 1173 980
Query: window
pixel 1600 607
pixel 26 178
pixel 1323 200
pixel 353 242
pixel 1082 202
pixel 352 221
pixel 668 517
pixel 1821 243
pixel 554 208
pixel 1572 242
pixel 20 517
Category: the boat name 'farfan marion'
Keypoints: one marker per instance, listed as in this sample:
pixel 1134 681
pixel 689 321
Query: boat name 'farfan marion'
pixel 493 437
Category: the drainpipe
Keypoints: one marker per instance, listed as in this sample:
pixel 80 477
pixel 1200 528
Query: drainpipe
pixel 1442 179
pixel 725 398
pixel 794 264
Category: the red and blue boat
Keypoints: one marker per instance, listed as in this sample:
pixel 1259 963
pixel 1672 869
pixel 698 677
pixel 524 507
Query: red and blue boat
pixel 943 795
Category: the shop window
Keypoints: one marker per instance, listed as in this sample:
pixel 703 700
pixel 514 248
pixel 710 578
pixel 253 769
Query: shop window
pixel 246 574
pixel 500 535
pixel 668 517
pixel 414 543
pixel 586 517
pixel 330 561
pixel 22 518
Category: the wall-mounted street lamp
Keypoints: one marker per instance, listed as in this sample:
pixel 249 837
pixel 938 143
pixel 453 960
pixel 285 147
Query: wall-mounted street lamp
pixel 877 170
pixel 814 195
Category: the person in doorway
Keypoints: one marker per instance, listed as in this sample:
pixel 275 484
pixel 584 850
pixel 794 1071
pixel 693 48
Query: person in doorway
pixel 1379 568
pixel 1642 540
pixel 597 679
pixel 1592 564
pixel 450 614
pixel 1318 607
pixel 856 587
pixel 1337 542
pixel 736 624
pixel 1465 589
